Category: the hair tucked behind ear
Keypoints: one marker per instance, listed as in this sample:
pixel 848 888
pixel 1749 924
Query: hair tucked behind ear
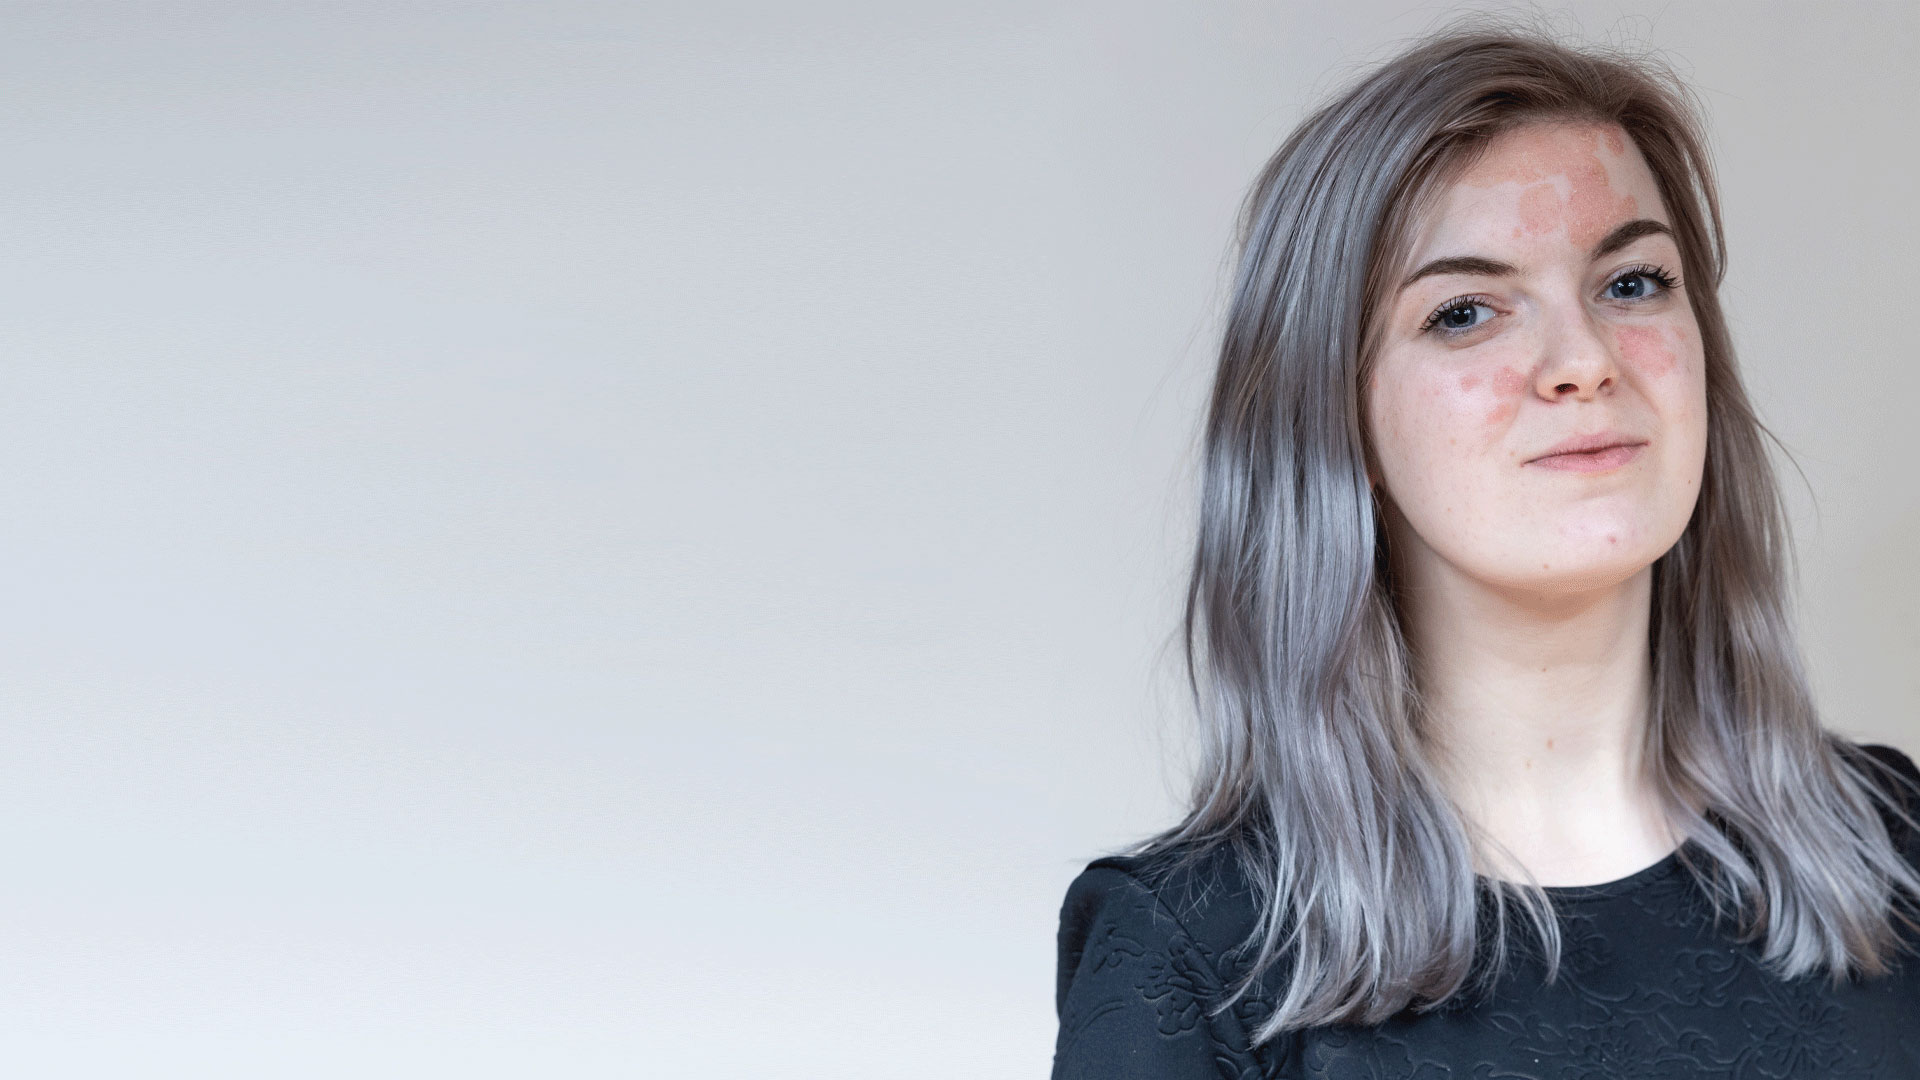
pixel 1311 769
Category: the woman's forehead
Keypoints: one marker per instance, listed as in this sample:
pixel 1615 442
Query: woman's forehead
pixel 1535 151
pixel 1560 182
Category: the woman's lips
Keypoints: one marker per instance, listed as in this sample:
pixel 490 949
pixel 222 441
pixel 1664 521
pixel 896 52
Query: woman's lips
pixel 1611 457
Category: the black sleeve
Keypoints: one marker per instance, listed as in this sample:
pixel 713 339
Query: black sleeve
pixel 1134 988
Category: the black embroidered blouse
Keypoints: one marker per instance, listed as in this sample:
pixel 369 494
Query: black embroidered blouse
pixel 1648 990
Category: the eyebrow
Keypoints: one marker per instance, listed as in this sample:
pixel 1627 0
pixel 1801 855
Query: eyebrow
pixel 1620 237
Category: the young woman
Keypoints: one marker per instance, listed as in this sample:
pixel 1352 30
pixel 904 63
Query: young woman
pixel 1510 767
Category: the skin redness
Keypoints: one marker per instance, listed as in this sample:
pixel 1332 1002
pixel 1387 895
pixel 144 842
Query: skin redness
pixel 1544 304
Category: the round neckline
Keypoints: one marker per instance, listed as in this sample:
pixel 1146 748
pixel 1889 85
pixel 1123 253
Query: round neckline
pixel 1667 864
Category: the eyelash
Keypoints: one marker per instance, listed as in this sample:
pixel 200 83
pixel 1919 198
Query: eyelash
pixel 1667 283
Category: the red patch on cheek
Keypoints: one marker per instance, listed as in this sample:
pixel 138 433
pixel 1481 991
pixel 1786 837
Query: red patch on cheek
pixel 1508 385
pixel 1645 348
pixel 1468 382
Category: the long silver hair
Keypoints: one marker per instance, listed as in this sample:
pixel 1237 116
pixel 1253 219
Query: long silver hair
pixel 1312 769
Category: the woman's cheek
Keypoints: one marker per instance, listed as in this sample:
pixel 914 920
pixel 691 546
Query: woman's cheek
pixel 1457 415
pixel 1487 401
pixel 1440 418
pixel 1652 351
pixel 1410 433
pixel 1504 404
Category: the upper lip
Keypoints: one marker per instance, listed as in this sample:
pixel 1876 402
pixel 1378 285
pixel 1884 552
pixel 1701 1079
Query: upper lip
pixel 1584 443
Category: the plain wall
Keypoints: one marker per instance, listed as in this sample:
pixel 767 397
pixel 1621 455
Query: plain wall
pixel 566 539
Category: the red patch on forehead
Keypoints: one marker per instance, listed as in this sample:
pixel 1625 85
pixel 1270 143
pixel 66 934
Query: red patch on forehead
pixel 1544 164
pixel 1594 206
pixel 1539 209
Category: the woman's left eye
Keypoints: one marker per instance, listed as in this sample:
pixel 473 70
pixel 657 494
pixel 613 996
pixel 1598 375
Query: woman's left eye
pixel 1640 283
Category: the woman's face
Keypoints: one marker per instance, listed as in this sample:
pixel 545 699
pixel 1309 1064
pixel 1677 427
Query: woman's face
pixel 1533 313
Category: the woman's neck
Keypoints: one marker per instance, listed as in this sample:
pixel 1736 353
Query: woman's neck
pixel 1535 710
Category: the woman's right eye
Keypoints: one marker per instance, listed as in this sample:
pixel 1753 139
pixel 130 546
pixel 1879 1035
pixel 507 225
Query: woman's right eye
pixel 1457 316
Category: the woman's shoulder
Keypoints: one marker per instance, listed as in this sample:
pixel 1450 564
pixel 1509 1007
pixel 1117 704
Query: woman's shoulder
pixel 1889 768
pixel 1897 779
pixel 1202 895
pixel 1894 758
pixel 1148 944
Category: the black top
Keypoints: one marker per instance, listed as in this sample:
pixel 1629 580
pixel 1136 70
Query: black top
pixel 1648 990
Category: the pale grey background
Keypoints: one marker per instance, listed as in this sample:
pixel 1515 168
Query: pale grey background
pixel 562 539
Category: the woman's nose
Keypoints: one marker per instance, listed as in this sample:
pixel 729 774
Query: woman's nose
pixel 1577 357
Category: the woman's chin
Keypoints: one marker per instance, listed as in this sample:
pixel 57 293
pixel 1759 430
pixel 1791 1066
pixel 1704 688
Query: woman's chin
pixel 1568 569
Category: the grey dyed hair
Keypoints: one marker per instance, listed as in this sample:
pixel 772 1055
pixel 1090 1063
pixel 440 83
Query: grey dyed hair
pixel 1312 767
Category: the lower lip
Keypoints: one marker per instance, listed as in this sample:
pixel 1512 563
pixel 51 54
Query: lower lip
pixel 1593 461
